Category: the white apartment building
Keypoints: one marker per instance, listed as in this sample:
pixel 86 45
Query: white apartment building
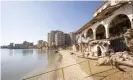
pixel 59 38
pixel 51 38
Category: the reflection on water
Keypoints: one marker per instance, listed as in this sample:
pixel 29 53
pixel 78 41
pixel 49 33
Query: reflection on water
pixel 11 52
pixel 54 58
pixel 41 51
pixel 27 52
pixel 17 63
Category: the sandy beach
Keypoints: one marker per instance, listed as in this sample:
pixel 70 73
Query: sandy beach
pixel 71 67
pixel 88 70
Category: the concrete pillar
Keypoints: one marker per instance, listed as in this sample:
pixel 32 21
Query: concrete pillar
pixel 132 21
pixel 130 16
pixel 94 34
pixel 132 24
pixel 107 31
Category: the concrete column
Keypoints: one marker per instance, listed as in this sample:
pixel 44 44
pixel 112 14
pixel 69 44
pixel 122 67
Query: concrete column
pixel 94 34
pixel 130 16
pixel 107 31
pixel 132 21
pixel 132 24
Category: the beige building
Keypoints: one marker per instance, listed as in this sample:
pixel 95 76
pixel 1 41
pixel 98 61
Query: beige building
pixel 41 44
pixel 51 38
pixel 59 38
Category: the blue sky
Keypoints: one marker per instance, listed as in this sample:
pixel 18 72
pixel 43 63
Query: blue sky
pixel 32 20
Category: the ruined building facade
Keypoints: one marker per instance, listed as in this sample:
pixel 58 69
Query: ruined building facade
pixel 111 20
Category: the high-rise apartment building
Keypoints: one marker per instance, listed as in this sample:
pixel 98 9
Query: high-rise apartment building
pixel 59 38
pixel 11 46
pixel 51 38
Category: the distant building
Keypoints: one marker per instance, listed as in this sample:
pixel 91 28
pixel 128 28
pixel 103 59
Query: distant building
pixel 31 45
pixel 11 46
pixel 26 45
pixel 59 38
pixel 67 39
pixel 51 38
pixel 3 47
pixel 41 44
pixel 72 38
pixel 48 39
pixel 18 46
pixel 45 44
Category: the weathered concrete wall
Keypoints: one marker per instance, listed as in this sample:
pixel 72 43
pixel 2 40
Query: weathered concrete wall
pixel 126 10
pixel 101 44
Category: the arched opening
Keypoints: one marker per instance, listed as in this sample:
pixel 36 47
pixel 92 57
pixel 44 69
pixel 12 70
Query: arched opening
pixel 100 32
pixel 118 27
pixel 89 34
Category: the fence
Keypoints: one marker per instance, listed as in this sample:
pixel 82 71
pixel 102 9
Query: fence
pixel 72 72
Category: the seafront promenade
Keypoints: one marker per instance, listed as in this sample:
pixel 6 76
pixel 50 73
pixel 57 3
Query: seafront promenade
pixel 71 67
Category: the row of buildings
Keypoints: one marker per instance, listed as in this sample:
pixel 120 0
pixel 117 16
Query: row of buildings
pixel 27 45
pixel 59 38
pixel 41 44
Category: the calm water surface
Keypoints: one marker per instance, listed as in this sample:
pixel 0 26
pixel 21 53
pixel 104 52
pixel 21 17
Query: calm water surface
pixel 18 63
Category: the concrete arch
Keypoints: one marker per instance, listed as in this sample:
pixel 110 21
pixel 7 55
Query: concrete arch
pixel 89 33
pixel 115 15
pixel 126 10
pixel 119 24
pixel 100 32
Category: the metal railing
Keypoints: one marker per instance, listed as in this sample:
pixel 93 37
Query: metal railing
pixel 62 74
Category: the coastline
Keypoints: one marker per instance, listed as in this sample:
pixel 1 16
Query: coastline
pixel 71 67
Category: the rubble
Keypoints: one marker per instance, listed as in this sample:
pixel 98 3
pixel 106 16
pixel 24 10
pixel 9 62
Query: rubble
pixel 100 50
pixel 129 39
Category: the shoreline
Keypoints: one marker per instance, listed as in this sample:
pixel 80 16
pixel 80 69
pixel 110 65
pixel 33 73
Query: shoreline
pixel 71 67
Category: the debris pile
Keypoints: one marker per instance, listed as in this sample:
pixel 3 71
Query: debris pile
pixel 100 50
pixel 129 39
